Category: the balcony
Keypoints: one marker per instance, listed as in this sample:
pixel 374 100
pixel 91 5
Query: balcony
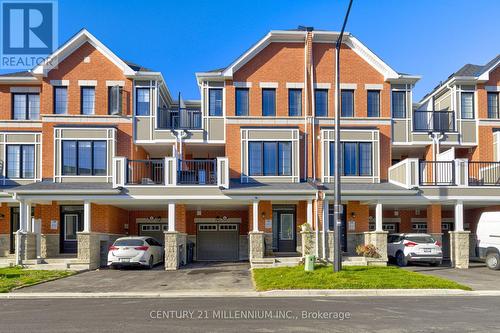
pixel 434 121
pixel 437 173
pixel 178 119
pixel 484 173
pixel 170 171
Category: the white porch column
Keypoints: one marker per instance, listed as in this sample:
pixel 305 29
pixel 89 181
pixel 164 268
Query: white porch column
pixel 378 217
pixel 171 216
pixel 23 219
pixel 87 216
pixel 309 212
pixel 255 219
pixel 29 224
pixel 459 216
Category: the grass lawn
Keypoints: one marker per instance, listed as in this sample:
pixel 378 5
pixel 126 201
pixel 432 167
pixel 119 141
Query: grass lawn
pixel 349 278
pixel 13 277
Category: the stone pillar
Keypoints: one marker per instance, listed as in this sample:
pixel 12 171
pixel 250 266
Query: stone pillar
pixel 308 242
pixel 256 245
pixel 459 249
pixel 4 245
pixel 434 222
pixel 89 249
pixel 379 240
pixel 28 245
pixel 175 250
pixel 49 246
pixel 331 245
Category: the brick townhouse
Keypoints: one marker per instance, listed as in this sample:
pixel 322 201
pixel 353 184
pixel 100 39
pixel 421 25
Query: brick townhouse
pixel 93 147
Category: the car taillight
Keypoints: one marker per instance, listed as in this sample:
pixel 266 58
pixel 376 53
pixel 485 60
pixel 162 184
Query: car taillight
pixel 113 248
pixel 438 244
pixel 141 248
pixel 410 244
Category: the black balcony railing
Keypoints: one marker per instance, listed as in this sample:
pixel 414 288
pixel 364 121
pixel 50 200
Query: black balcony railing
pixel 434 173
pixel 145 172
pixel 484 173
pixel 178 119
pixel 197 172
pixel 434 121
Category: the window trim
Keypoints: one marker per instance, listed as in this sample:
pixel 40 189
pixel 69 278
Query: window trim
pixel 262 101
pixel 497 94
pixel 473 94
pixel 54 101
pixel 277 163
pixel 357 161
pixel 21 163
pixel 82 88
pixel 236 102
pixel 290 90
pixel 136 114
pixel 367 102
pixel 352 91
pixel 316 102
pixel 120 105
pixel 27 106
pixel 77 153
pixel 221 106
pixel 405 92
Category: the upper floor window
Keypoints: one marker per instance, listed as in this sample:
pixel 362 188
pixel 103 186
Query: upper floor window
pixel 373 103
pixel 321 102
pixel 467 105
pixel 270 158
pixel 242 101
pixel 115 100
pixel 88 100
pixel 493 108
pixel 84 158
pixel 347 100
pixel 60 100
pixel 399 104
pixel 142 100
pixel 356 159
pixel 294 102
pixel 21 161
pixel 25 106
pixel 269 102
pixel 215 102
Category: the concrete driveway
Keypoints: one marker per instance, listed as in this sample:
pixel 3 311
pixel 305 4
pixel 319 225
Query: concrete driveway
pixel 197 276
pixel 478 276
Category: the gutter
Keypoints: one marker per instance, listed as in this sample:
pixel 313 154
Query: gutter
pixel 375 192
pixel 60 191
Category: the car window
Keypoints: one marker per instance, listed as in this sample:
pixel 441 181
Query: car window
pixel 150 241
pixel 128 242
pixel 421 239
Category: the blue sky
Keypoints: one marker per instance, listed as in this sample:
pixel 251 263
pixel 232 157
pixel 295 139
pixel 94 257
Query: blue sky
pixel 431 38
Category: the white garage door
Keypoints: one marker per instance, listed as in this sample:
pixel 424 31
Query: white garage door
pixel 217 242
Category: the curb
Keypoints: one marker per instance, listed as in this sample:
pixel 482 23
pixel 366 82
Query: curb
pixel 262 294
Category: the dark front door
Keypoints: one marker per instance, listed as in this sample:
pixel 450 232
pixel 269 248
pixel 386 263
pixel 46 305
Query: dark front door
pixel 343 226
pixel 284 235
pixel 71 223
pixel 14 227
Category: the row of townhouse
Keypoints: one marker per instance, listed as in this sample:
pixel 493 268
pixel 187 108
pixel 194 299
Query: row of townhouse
pixel 93 147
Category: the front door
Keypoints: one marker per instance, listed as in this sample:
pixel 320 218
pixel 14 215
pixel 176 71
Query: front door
pixel 14 227
pixel 71 223
pixel 284 235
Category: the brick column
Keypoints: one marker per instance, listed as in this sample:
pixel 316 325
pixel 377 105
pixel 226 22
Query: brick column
pixel 434 221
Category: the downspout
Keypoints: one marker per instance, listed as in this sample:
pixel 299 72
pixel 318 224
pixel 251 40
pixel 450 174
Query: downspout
pixel 306 136
pixel 316 226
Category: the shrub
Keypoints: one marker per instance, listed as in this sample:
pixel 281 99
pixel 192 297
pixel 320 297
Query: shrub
pixel 369 251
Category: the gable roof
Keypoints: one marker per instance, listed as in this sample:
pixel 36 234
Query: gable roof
pixel 299 35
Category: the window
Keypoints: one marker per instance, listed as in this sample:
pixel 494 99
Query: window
pixel 25 106
pixel 215 102
pixel 373 103
pixel 142 102
pixel 294 102
pixel 242 102
pixel 356 159
pixel 493 109
pixel 270 158
pixel 269 102
pixel 321 102
pixel 399 104
pixel 87 100
pixel 84 158
pixel 347 100
pixel 60 100
pixel 21 161
pixel 467 105
pixel 115 100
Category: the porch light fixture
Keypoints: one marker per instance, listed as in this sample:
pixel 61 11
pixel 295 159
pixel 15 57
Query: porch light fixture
pixel 198 211
pixel 263 215
pixel 2 216
pixel 353 214
pixel 417 211
pixel 396 212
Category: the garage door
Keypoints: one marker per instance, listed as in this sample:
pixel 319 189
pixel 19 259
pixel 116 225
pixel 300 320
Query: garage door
pixel 154 230
pixel 217 242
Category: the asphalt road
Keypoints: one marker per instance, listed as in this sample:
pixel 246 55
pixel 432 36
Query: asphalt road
pixel 381 314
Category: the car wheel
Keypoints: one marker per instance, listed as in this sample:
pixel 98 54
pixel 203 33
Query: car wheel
pixel 151 263
pixel 401 259
pixel 434 264
pixel 493 261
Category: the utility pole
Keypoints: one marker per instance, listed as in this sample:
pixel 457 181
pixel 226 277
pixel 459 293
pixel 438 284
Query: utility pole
pixel 337 260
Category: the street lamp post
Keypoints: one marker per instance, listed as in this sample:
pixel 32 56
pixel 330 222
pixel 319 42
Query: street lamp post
pixel 337 260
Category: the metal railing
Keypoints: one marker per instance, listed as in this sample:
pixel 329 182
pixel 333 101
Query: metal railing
pixel 433 173
pixel 484 173
pixel 175 119
pixel 145 172
pixel 197 172
pixel 434 121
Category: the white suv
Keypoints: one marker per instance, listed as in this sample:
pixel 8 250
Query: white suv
pixel 414 248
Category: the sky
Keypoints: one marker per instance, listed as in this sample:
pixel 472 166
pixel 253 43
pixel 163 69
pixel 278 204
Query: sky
pixel 431 38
